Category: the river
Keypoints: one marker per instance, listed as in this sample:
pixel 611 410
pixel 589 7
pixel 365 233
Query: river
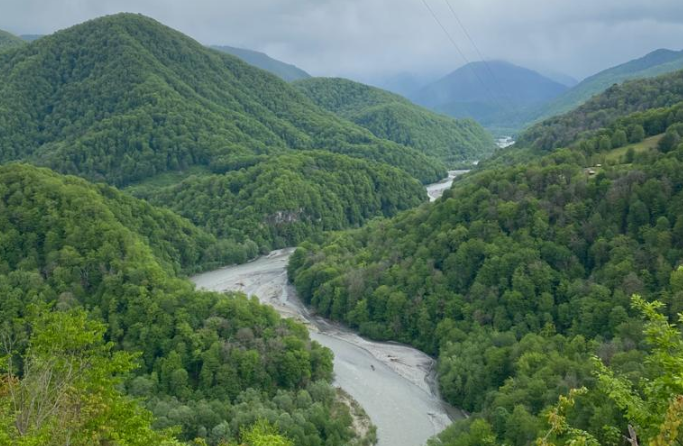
pixel 435 190
pixel 394 383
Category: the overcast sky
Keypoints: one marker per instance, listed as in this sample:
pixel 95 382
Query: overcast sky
pixel 363 39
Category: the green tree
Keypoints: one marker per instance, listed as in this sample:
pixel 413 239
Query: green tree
pixel 636 134
pixel 652 408
pixel 264 434
pixel 669 141
pixel 619 138
pixel 64 389
pixel 605 143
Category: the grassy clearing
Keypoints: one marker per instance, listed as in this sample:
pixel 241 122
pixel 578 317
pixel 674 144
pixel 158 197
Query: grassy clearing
pixel 165 179
pixel 617 156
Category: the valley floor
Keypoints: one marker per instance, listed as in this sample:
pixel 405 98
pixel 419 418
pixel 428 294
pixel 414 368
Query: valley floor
pixel 395 384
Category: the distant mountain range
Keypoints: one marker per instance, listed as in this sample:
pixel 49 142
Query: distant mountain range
pixel 494 93
pixel 658 62
pixel 284 71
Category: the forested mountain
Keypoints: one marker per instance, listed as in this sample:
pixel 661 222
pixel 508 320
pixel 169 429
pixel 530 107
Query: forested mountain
pixel 390 116
pixel 282 200
pixel 603 110
pixel 519 276
pixel 284 71
pixel 123 98
pixel 658 62
pixel 495 93
pixel 210 364
pixel 9 41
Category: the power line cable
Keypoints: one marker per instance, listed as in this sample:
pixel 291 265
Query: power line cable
pixel 457 47
pixel 481 56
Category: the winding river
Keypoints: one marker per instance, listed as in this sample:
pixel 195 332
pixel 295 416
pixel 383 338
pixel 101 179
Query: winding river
pixel 394 383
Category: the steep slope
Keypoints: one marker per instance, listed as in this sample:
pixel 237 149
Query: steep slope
pixel 283 200
pixel 494 93
pixel 178 245
pixel 658 62
pixel 393 117
pixel 284 71
pixel 519 276
pixel 603 110
pixel 9 41
pixel 123 98
pixel 211 364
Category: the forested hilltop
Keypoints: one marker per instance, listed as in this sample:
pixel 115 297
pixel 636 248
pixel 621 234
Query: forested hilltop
pixel 390 116
pixel 123 98
pixel 88 295
pixel 126 100
pixel 604 109
pixel 520 275
pixel 9 41
pixel 656 63
pixel 283 200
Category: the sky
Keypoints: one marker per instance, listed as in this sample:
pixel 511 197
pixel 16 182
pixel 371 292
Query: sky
pixel 380 39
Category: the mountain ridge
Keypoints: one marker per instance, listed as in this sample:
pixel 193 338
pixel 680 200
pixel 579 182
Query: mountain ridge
pixel 158 101
pixel 654 63
pixel 492 92
pixel 9 41
pixel 391 116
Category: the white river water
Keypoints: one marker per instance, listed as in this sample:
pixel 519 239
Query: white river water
pixel 394 383
pixel 435 190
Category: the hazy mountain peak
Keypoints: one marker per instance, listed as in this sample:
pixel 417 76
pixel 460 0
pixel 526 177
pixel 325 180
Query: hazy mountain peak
pixel 283 70
pixel 488 91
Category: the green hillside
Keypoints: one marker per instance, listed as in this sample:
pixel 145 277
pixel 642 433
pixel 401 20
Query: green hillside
pixel 286 72
pixel 390 116
pixel 521 280
pixel 9 41
pixel 603 110
pixel 123 98
pixel 656 63
pixel 284 200
pixel 209 364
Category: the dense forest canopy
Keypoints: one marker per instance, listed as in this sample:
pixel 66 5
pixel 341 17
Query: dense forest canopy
pixel 9 41
pixel 123 98
pixel 126 100
pixel 390 116
pixel 210 364
pixel 520 274
pixel 285 199
pixel 547 281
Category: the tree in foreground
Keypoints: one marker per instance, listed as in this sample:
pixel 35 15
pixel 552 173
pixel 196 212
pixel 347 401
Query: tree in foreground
pixel 652 408
pixel 264 434
pixel 62 390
